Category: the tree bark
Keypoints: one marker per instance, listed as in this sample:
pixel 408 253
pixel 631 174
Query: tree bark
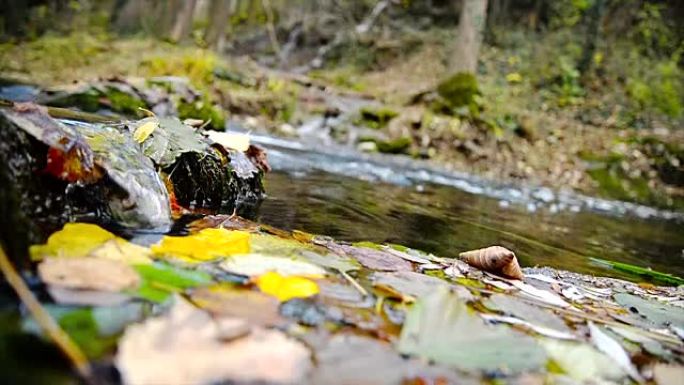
pixel 470 29
pixel 219 13
pixel 183 21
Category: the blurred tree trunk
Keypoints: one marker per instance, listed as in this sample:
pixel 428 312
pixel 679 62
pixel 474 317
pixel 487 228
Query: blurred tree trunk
pixel 470 28
pixel 595 15
pixel 219 14
pixel 183 20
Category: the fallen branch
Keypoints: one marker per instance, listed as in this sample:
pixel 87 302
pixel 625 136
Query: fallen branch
pixel 43 318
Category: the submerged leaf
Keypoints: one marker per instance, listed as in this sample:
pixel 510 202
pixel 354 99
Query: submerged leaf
pixel 186 346
pixel 257 264
pixel 206 245
pixel 440 327
pixel 286 288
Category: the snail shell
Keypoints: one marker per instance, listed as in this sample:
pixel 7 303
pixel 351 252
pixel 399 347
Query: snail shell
pixel 494 259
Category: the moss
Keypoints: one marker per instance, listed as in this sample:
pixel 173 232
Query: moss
pixel 124 102
pixel 204 110
pixel 396 146
pixel 368 245
pixel 459 90
pixel 376 118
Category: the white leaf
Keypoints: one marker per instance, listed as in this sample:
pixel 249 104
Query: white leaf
pixel 257 264
pixel 536 328
pixel 234 140
pixel 543 295
pixel 614 350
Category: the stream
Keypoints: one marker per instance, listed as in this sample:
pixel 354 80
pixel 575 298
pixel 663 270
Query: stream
pixel 356 197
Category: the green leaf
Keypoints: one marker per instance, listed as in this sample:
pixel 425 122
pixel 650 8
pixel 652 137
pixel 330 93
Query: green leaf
pixel 160 280
pixel 655 276
pixel 440 327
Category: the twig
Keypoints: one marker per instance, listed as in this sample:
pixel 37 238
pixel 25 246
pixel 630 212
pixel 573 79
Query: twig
pixel 356 285
pixel 46 322
pixel 65 113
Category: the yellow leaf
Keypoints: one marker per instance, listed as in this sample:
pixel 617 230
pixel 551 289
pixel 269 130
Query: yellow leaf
pixel 206 245
pixel 233 140
pixel 145 130
pixel 74 240
pixel 286 288
pixel 514 77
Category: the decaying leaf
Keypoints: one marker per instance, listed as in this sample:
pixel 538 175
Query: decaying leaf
pixel 258 308
pixel 612 349
pixel 206 245
pixel 535 315
pixel 119 249
pixel 495 259
pixel 233 140
pixel 143 131
pixel 88 273
pixel 185 346
pixel 66 296
pixel 256 264
pixel 440 327
pixel 257 156
pixel 286 288
pixel 371 258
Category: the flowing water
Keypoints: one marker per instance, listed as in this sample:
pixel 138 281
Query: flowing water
pixel 387 200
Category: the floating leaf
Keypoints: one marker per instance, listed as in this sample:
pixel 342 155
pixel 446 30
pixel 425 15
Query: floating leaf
pixel 440 327
pixel 495 259
pixel 143 131
pixel 206 245
pixel 186 346
pixel 74 240
pixel 88 273
pixel 256 264
pixel 233 140
pixel 581 361
pixel 612 348
pixel 286 288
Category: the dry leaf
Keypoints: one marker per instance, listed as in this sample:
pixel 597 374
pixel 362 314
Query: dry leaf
pixel 234 140
pixel 286 288
pixel 495 259
pixel 88 273
pixel 145 130
pixel 185 346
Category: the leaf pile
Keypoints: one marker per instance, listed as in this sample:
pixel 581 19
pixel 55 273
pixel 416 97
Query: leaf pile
pixel 239 302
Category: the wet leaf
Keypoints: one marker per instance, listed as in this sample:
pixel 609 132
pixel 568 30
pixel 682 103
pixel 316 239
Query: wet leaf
pixel 657 312
pixel 223 300
pixel 332 261
pixel 206 245
pixel 539 294
pixel 74 240
pixel 370 258
pixel 160 280
pixel 440 327
pixel 494 259
pixel 233 140
pixel 143 131
pixel 548 332
pixel 171 139
pixel 286 288
pixel 66 296
pixel 256 264
pixel 410 285
pixel 185 346
pixel 530 313
pixel 612 349
pixel 581 361
pixel 88 273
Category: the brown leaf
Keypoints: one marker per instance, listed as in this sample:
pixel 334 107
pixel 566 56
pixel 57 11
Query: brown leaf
pixel 495 259
pixel 371 258
pixel 259 308
pixel 88 273
pixel 257 156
